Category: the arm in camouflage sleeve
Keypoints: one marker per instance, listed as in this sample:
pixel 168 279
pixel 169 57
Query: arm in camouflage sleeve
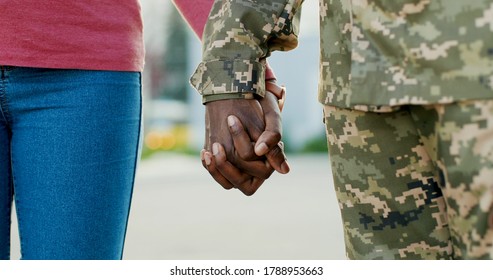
pixel 238 36
pixel 196 12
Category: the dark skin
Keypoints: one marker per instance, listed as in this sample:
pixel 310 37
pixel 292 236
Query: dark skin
pixel 244 158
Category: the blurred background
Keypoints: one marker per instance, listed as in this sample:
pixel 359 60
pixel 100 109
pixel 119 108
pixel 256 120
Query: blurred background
pixel 173 110
pixel 178 211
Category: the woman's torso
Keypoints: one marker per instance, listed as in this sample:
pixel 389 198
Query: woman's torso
pixel 85 34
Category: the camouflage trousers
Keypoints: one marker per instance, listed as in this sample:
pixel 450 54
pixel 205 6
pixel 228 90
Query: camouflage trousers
pixel 416 183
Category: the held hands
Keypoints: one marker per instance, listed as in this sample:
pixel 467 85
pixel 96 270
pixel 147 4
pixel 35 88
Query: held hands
pixel 244 137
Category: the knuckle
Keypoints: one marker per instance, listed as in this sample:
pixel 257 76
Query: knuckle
pixel 252 186
pixel 241 182
pixel 276 153
pixel 249 191
pixel 227 186
pixel 277 136
pixel 274 137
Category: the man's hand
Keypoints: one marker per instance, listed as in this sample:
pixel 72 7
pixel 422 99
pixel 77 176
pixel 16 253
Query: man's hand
pixel 234 162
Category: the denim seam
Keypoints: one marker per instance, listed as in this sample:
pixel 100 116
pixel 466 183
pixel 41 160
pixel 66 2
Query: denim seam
pixel 3 114
pixel 3 97
pixel 135 166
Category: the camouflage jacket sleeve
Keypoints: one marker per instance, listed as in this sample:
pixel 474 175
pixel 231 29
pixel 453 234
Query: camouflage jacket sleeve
pixel 238 36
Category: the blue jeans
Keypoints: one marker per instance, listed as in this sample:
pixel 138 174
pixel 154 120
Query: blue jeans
pixel 69 145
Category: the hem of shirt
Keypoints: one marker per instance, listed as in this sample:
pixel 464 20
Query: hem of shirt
pixel 97 66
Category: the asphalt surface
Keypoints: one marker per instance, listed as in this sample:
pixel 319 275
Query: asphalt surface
pixel 180 213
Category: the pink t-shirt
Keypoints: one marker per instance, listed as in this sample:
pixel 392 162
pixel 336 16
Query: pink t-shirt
pixel 81 34
pixel 195 13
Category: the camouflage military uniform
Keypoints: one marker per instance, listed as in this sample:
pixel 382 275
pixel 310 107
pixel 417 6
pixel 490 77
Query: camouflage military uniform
pixel 407 88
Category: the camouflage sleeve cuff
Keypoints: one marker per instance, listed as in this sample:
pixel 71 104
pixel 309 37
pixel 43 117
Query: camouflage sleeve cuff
pixel 216 97
pixel 238 36
pixel 229 79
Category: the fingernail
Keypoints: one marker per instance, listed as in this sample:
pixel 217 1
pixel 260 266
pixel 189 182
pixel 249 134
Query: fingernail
pixel 202 154
pixel 231 121
pixel 215 149
pixel 285 167
pixel 261 149
pixel 207 158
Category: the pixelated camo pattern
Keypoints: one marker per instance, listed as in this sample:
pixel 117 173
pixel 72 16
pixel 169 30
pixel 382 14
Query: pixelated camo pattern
pixel 376 54
pixel 412 183
pixel 415 183
pixel 238 36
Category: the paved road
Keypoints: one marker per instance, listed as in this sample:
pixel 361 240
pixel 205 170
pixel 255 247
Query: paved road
pixel 178 212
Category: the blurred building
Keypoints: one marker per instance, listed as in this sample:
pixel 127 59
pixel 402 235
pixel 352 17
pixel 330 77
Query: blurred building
pixel 165 79
pixel 173 110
